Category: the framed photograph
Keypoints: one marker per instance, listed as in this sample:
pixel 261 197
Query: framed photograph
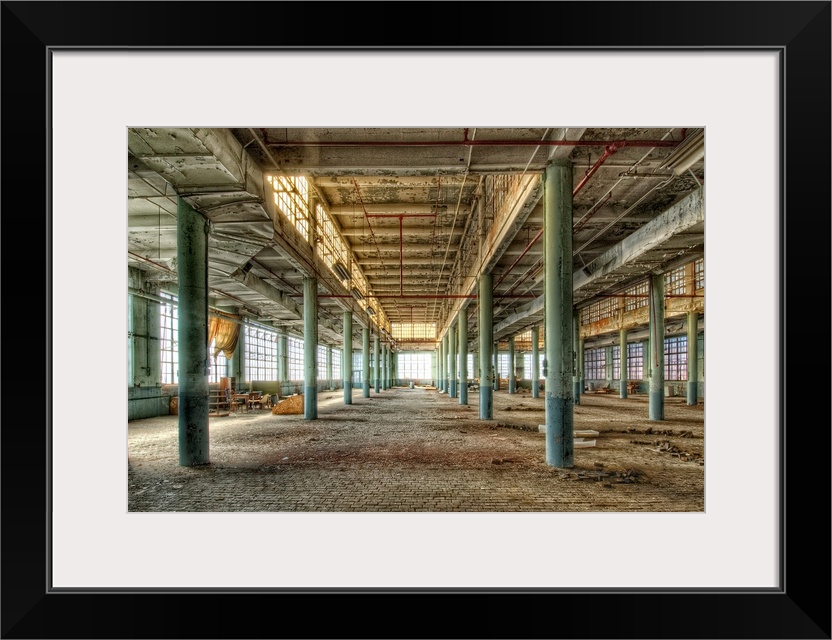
pixel 754 75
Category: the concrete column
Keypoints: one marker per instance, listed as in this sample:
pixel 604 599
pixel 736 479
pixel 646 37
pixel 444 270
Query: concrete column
pixel 463 356
pixel 238 360
pixel 581 353
pixel 192 266
pixel 512 379
pixel 440 366
pixel 557 261
pixel 310 348
pixel 535 362
pixel 283 362
pixel 486 330
pixel 608 364
pixel 329 368
pixel 496 366
pixel 385 381
pixel 346 358
pixel 657 347
pixel 622 340
pixel 447 351
pixel 366 364
pixel 576 374
pixel 645 360
pixel 693 358
pixel 452 351
pixel 376 368
pixel 382 372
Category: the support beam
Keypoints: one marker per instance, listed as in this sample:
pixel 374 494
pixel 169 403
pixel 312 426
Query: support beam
pixel 535 362
pixel 512 379
pixel 656 409
pixel 679 218
pixel 310 348
pixel 366 362
pixel 346 358
pixel 463 356
pixel 485 329
pixel 192 266
pixel 557 238
pixel 693 358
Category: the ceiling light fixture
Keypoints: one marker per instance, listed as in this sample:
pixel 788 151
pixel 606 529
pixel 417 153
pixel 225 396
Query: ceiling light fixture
pixel 689 152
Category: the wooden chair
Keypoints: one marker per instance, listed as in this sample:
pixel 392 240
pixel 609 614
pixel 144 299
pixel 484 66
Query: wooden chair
pixel 234 403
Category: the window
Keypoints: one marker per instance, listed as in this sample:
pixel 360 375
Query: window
pixel 637 296
pixel 503 365
pixel 635 361
pixel 413 331
pixel 471 372
pixel 699 273
pixel 415 366
pixel 291 195
pixel 219 365
pixel 336 364
pixel 676 358
pixel 674 281
pixel 294 359
pixel 169 339
pixel 357 367
pixel 616 362
pixel 595 364
pixel 260 353
pixel 321 362
pixel 527 365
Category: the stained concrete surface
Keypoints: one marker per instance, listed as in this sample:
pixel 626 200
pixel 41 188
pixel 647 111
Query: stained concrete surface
pixel 416 450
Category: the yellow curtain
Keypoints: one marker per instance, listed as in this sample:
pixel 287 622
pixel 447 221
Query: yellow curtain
pixel 223 334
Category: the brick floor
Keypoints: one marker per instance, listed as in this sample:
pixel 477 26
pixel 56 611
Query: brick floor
pixel 404 450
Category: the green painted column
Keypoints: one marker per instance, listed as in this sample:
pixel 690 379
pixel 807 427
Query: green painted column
pixel 656 410
pixel 376 369
pixel 447 341
pixel 512 379
pixel 581 353
pixel 282 360
pixel 329 368
pixel 576 373
pixel 463 356
pixel 310 348
pixel 645 362
pixel 557 261
pixel 192 267
pixel 238 360
pixel 608 365
pixel 452 350
pixel 535 362
pixel 496 366
pixel 382 372
pixel 622 341
pixel 486 330
pixel 693 358
pixel 346 358
pixel 386 378
pixel 366 352
pixel 440 366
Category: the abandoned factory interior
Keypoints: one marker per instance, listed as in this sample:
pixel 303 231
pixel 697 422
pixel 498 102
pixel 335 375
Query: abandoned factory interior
pixel 416 319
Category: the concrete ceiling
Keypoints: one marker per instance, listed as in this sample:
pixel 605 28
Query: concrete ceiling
pixel 413 206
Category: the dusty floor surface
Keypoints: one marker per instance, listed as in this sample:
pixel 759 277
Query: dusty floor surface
pixel 418 450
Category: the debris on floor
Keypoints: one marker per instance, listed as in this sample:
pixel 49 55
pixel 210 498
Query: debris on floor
pixel 581 443
pixel 627 476
pixel 292 405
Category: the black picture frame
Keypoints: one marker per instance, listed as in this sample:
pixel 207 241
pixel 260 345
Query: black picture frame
pixel 799 609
